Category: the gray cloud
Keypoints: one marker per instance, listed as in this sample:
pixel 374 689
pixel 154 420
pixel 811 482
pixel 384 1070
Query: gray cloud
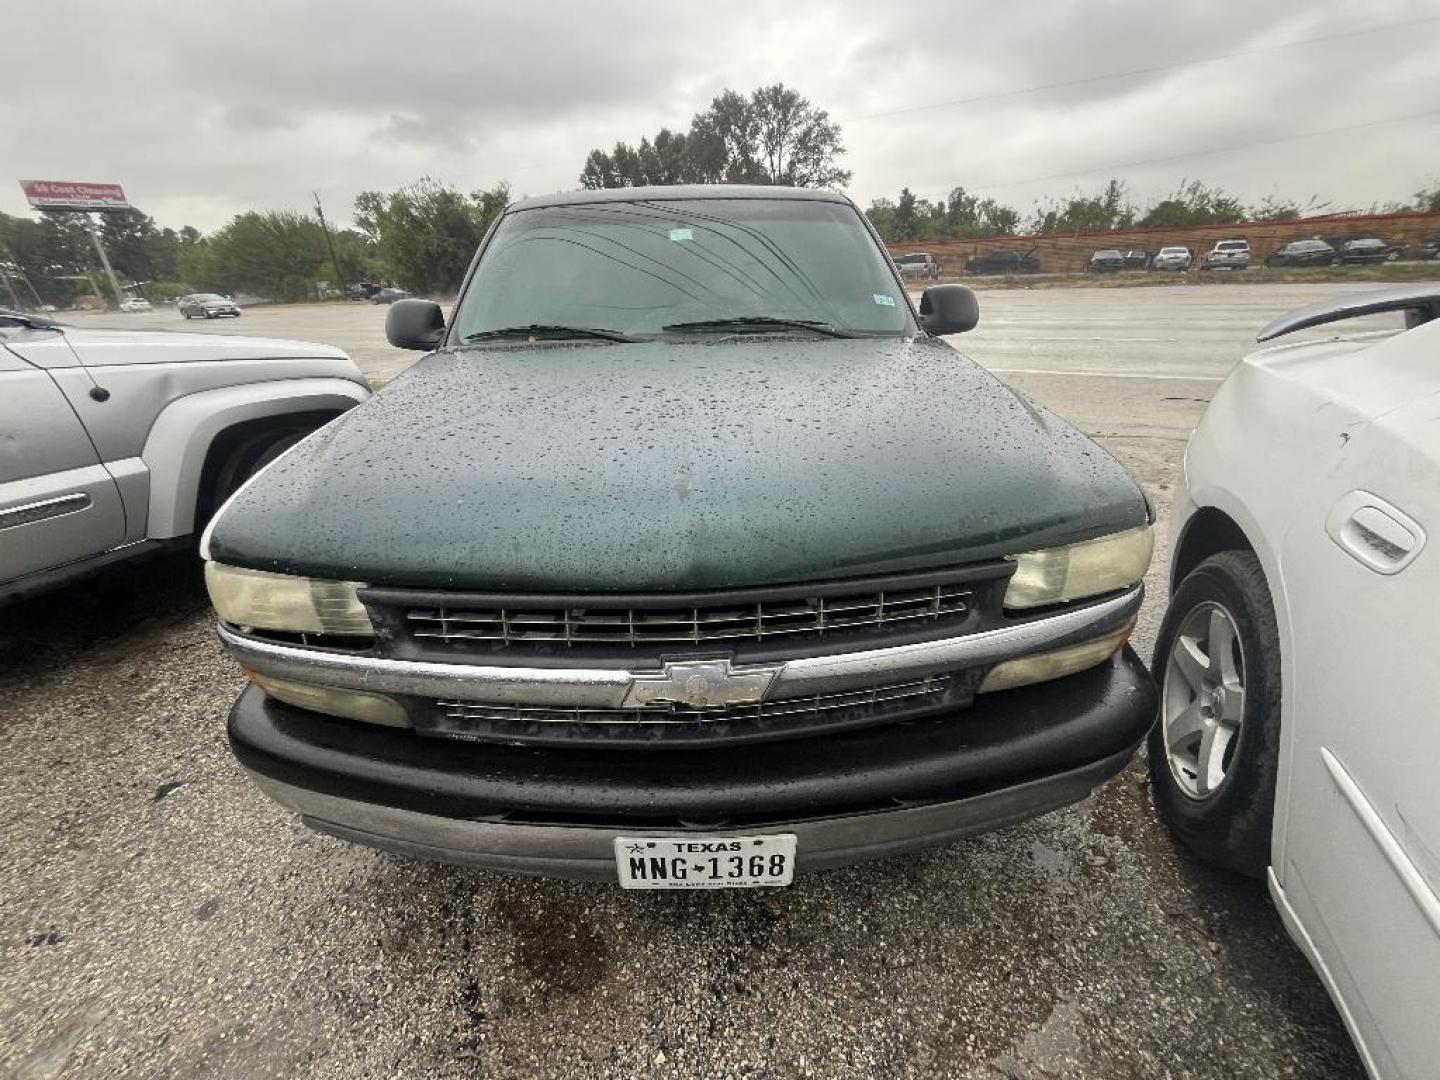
pixel 203 111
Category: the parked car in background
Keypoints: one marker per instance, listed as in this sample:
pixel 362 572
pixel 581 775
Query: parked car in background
pixel 761 644
pixel 1303 253
pixel 132 439
pixel 1171 258
pixel 1426 249
pixel 388 295
pixel 1297 738
pixel 1136 259
pixel 1227 254
pixel 918 264
pixel 1369 249
pixel 1105 260
pixel 1004 262
pixel 135 303
pixel 207 306
pixel 362 290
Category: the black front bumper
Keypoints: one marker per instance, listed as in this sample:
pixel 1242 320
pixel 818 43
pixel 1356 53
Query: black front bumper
pixel 849 796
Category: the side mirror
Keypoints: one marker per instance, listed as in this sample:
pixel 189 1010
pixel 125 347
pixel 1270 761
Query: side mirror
pixel 415 324
pixel 948 309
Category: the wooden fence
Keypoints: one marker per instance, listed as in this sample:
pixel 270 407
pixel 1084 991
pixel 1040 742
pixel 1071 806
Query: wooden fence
pixel 1069 253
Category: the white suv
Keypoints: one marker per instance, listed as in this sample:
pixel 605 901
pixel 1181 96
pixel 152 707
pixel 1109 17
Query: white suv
pixel 1234 254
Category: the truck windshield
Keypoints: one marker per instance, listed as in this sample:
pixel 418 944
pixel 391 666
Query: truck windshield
pixel 637 268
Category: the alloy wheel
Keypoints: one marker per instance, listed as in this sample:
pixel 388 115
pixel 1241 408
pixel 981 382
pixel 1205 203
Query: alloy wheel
pixel 1202 703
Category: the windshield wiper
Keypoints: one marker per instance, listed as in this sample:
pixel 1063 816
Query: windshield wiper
pixel 547 330
pixel 760 322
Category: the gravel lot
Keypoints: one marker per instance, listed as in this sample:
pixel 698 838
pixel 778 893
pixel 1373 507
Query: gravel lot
pixel 161 918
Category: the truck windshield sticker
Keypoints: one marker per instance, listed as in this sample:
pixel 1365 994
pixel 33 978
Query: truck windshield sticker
pixel 682 234
pixel 883 300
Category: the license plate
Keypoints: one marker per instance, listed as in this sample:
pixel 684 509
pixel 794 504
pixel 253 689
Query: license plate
pixel 717 862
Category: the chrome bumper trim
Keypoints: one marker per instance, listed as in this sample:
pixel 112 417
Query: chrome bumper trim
pixel 608 687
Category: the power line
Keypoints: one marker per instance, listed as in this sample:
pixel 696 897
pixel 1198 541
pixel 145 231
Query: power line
pixel 1116 166
pixel 1088 80
pixel 1136 71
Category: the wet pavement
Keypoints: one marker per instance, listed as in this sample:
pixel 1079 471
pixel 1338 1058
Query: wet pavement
pixel 161 918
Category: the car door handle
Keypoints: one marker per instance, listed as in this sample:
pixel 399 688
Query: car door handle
pixel 1374 533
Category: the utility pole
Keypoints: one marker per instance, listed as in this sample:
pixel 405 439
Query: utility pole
pixel 5 277
pixel 104 259
pixel 320 213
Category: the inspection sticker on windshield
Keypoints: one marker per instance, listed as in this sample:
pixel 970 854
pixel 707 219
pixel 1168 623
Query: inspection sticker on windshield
pixel 682 234
pixel 712 862
pixel 883 300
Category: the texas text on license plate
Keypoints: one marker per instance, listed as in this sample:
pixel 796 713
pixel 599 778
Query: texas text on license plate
pixel 715 862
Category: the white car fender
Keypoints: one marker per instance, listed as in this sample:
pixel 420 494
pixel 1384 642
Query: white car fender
pixel 1217 457
pixel 181 435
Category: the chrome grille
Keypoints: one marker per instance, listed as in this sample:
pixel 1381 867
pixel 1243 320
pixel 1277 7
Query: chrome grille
pixel 471 712
pixel 811 704
pixel 813 615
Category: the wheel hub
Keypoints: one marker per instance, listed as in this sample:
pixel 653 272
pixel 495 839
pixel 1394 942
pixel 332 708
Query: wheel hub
pixel 1203 699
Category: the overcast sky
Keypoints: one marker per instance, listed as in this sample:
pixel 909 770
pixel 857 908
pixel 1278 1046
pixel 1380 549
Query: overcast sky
pixel 201 109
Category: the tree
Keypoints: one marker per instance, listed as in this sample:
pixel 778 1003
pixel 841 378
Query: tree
pixel 796 144
pixel 1194 203
pixel 1275 208
pixel 960 216
pixel 881 213
pixel 358 255
pixel 52 253
pixel 427 233
pixel 774 136
pixel 1086 213
pixel 132 242
pixel 277 253
pixel 906 222
pixel 1428 198
pixel 964 216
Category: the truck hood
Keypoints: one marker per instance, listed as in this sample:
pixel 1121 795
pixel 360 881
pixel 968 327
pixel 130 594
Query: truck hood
pixel 669 466
pixel 103 348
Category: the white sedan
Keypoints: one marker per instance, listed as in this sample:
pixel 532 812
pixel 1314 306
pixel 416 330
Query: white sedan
pixel 135 303
pixel 1299 661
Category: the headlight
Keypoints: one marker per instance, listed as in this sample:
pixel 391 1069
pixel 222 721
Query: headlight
pixel 1089 568
pixel 255 598
pixel 1055 664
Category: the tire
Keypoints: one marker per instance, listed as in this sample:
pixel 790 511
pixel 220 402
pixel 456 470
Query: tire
pixel 1392 256
pixel 1223 813
pixel 243 462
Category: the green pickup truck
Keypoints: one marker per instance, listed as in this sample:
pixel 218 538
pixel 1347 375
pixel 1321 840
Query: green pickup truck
pixel 689 556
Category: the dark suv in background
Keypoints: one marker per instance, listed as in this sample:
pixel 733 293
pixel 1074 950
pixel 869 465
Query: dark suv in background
pixel 694 556
pixel 1303 253
pixel 1105 260
pixel 1004 262
pixel 1369 249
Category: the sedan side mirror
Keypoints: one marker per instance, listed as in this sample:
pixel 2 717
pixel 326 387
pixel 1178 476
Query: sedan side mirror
pixel 415 324
pixel 948 309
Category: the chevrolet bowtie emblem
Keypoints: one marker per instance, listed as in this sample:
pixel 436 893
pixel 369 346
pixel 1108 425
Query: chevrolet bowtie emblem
pixel 704 684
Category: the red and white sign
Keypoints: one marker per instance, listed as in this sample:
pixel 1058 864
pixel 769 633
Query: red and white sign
pixel 68 195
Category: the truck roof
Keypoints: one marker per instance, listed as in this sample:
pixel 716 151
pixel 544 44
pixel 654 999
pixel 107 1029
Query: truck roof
pixel 676 192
